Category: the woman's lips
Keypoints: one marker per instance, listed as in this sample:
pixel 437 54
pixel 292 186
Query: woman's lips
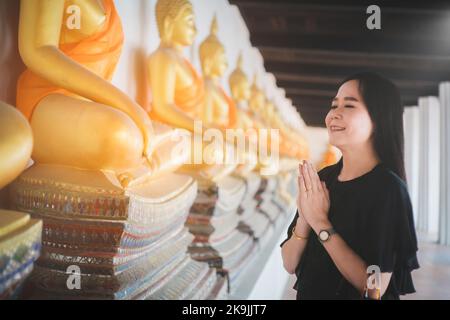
pixel 336 128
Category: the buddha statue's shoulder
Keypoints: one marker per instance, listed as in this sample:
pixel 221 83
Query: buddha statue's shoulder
pixel 93 18
pixel 165 55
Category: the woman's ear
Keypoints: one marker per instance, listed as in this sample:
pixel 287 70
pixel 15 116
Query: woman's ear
pixel 168 28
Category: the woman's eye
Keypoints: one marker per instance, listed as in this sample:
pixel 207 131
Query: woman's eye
pixel 349 106
pixel 333 107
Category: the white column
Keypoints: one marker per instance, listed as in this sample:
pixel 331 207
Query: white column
pixel 428 214
pixel 444 204
pixel 411 130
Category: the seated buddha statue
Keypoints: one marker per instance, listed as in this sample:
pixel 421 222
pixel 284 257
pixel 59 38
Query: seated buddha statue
pixel 219 110
pixel 177 89
pixel 302 148
pixel 255 108
pixel 299 144
pixel 256 103
pixel 288 146
pixel 240 91
pixel 78 118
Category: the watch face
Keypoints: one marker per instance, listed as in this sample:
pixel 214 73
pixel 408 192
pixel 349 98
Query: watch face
pixel 323 235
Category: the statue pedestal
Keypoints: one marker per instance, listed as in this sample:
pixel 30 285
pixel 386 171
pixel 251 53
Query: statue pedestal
pixel 126 243
pixel 253 221
pixel 265 196
pixel 284 196
pixel 213 220
pixel 265 270
pixel 20 244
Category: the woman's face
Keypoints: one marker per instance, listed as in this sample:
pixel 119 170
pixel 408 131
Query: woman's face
pixel 348 121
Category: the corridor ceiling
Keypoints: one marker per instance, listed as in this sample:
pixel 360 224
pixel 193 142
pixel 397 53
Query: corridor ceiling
pixel 311 45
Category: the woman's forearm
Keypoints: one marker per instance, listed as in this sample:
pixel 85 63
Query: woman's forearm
pixel 352 267
pixel 292 250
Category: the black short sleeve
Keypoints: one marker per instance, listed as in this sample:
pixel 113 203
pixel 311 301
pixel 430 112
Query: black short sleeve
pixel 289 230
pixel 388 235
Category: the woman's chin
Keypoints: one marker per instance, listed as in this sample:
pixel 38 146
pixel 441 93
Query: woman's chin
pixel 338 143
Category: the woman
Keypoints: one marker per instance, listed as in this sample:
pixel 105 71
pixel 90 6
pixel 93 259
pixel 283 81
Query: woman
pixel 356 213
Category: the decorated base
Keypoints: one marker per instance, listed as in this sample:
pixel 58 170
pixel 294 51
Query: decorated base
pixel 213 220
pixel 252 220
pixel 265 196
pixel 20 244
pixel 128 243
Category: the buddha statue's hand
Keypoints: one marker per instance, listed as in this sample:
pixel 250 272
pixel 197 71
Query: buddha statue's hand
pixel 148 145
pixel 143 122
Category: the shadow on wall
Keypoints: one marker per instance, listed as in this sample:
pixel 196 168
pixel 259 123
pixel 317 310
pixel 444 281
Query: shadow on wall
pixel 11 64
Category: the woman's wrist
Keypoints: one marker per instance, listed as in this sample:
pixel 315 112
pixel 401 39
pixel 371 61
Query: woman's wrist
pixel 302 227
pixel 319 225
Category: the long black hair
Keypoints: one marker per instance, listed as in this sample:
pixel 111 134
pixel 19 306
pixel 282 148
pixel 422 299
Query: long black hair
pixel 385 108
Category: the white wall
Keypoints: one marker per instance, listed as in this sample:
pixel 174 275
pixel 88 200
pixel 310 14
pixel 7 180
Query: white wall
pixel 428 214
pixel 411 125
pixel 444 208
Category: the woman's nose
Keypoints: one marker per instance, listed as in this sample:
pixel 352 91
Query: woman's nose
pixel 336 114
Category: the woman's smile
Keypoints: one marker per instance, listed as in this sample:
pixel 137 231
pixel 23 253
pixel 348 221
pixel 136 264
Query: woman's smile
pixel 335 128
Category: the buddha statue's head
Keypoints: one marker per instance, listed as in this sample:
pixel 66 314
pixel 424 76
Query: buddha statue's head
pixel 176 22
pixel 240 87
pixel 212 54
pixel 257 99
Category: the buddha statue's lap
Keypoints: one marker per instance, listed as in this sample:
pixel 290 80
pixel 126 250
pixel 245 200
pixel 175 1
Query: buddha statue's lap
pixel 86 123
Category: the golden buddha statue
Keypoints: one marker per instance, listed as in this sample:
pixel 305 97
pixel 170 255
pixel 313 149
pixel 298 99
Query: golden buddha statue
pixel 244 95
pixel 219 110
pixel 79 119
pixel 240 91
pixel 290 146
pixel 177 89
pixel 256 106
pixel 257 102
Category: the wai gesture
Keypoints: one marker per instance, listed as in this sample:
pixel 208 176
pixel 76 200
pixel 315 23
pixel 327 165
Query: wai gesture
pixel 313 200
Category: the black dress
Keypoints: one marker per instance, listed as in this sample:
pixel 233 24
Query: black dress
pixel 373 214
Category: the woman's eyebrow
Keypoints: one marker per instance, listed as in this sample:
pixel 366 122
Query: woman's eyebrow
pixel 346 99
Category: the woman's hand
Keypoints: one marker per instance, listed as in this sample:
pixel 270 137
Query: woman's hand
pixel 313 199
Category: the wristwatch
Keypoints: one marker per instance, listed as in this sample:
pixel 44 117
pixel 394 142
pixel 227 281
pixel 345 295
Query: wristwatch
pixel 325 235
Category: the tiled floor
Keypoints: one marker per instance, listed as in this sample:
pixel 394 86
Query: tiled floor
pixel 432 280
